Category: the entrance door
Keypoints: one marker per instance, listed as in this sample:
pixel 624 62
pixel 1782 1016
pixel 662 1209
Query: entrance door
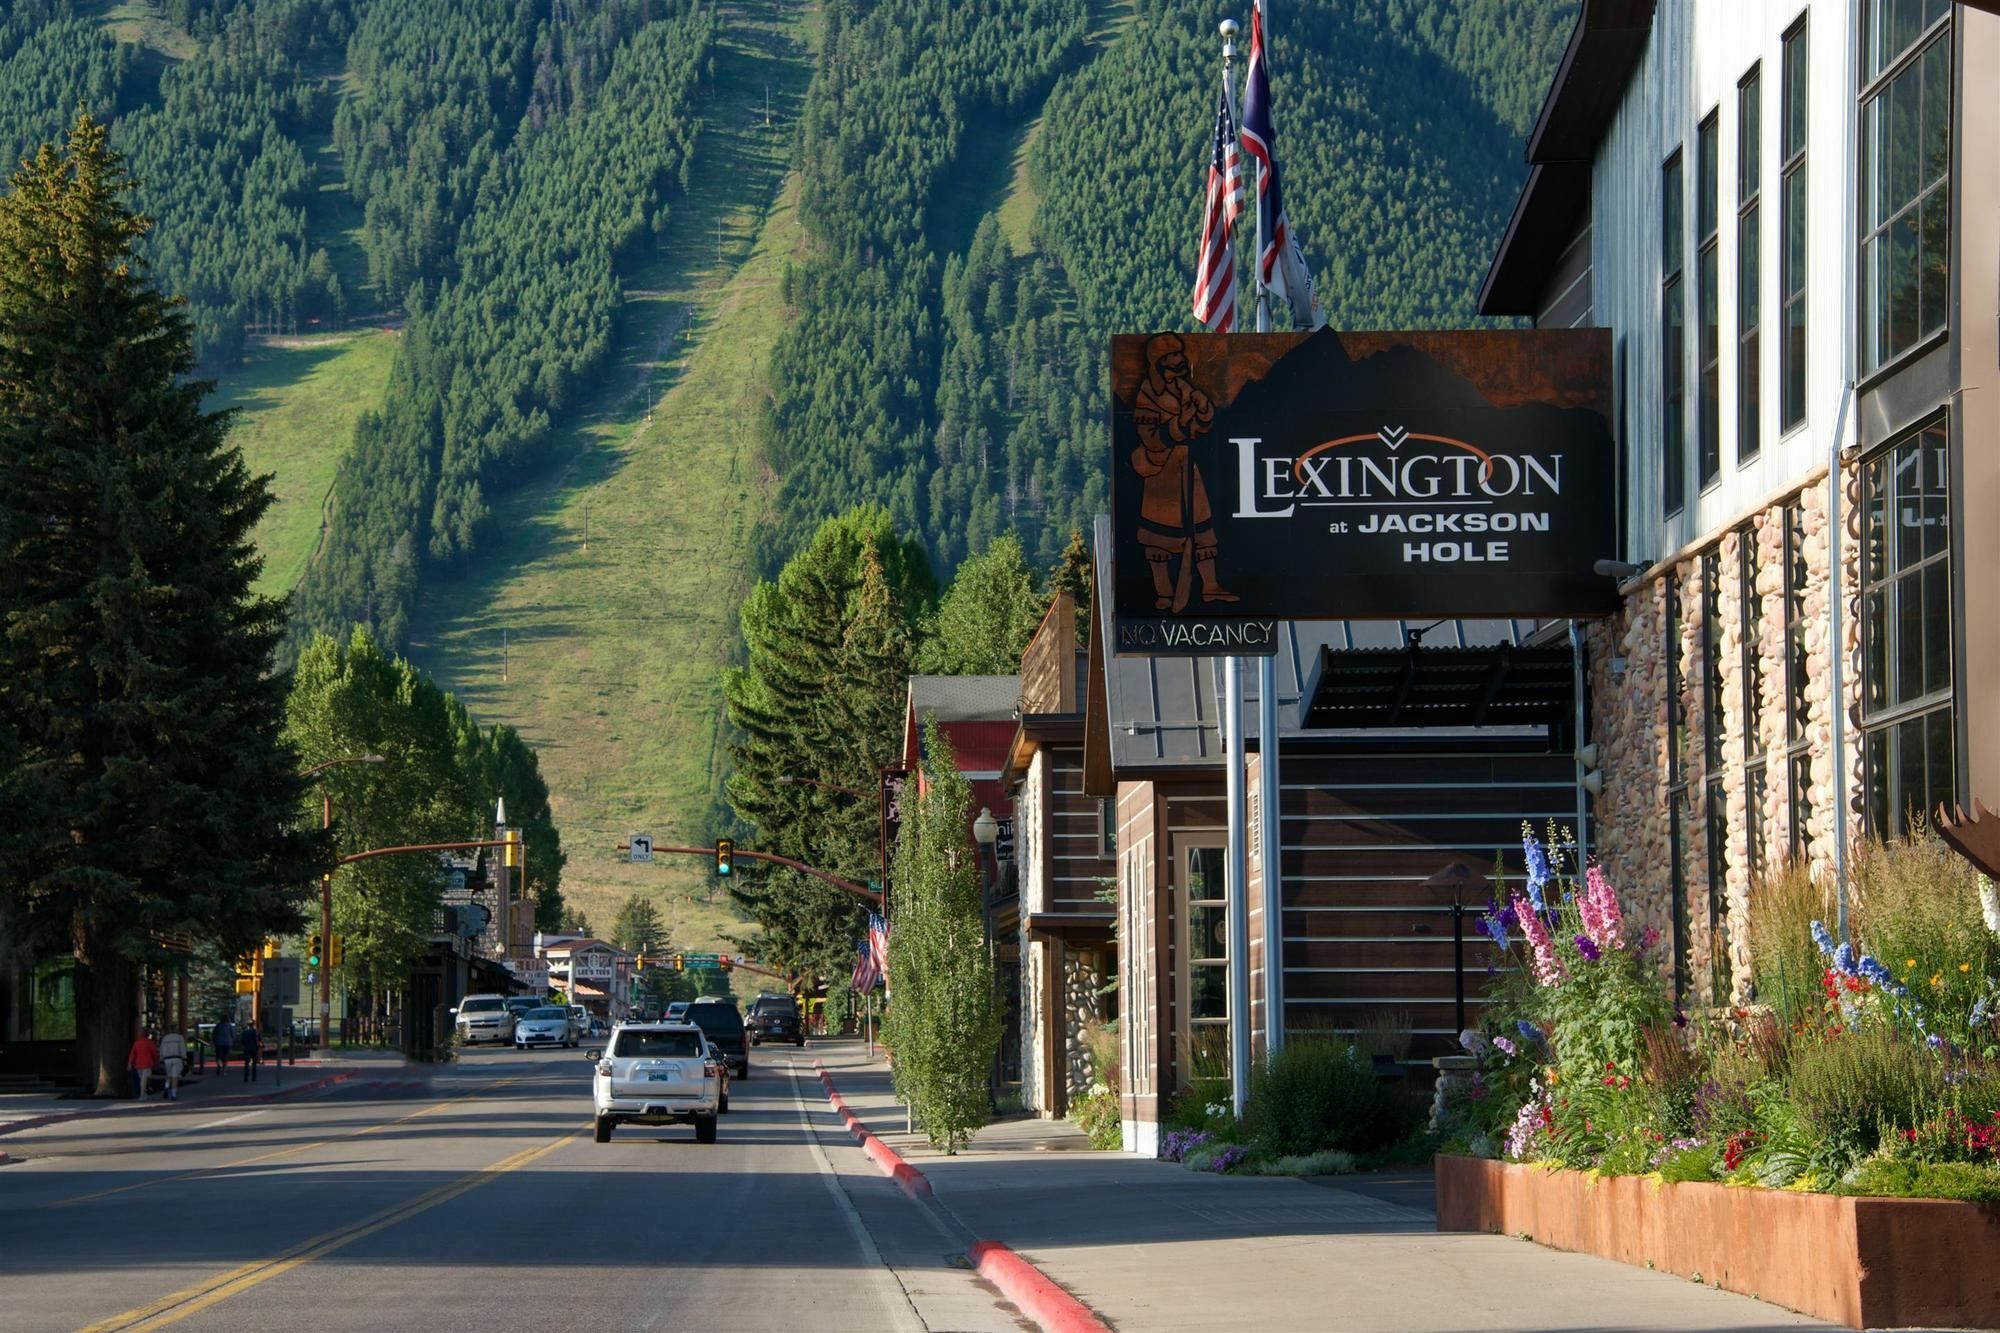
pixel 1201 947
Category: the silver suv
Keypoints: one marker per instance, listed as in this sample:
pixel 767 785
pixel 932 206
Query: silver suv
pixel 657 1074
pixel 483 1018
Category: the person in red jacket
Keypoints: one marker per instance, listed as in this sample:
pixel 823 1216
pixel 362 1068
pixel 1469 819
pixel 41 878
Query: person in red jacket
pixel 144 1055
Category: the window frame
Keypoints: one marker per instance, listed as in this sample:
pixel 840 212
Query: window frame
pixel 1874 363
pixel 1749 261
pixel 1793 286
pixel 1708 300
pixel 1673 336
pixel 1185 1022
pixel 1798 716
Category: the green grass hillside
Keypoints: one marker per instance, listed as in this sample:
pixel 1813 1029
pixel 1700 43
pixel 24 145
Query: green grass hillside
pixel 608 656
pixel 298 403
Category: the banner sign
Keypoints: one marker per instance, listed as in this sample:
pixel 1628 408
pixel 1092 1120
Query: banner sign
pixel 1337 476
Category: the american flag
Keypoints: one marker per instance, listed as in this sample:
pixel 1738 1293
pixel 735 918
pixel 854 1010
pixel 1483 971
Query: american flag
pixel 1215 270
pixel 864 968
pixel 1280 263
pixel 878 944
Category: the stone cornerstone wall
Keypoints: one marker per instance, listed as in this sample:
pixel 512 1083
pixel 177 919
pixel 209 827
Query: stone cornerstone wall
pixel 1632 829
pixel 1083 978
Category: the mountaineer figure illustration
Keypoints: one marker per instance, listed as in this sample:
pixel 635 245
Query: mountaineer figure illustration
pixel 1169 413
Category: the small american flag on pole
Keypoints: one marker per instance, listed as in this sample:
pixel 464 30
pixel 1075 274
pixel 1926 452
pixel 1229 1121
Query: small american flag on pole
pixel 864 968
pixel 1215 269
pixel 878 944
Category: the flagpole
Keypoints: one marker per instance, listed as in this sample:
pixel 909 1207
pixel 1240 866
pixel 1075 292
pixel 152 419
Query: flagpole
pixel 1257 198
pixel 1269 843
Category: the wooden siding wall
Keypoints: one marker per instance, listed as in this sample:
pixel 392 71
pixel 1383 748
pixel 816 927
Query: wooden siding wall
pixel 1076 866
pixel 1366 936
pixel 1566 303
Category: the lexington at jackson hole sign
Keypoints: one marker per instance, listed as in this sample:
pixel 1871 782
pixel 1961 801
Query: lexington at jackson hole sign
pixel 1331 476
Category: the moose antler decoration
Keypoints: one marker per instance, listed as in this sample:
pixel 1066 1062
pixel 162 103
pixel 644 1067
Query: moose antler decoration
pixel 1976 837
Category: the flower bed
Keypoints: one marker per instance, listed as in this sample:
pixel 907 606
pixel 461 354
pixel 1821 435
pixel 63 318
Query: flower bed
pixel 1865 1263
pixel 1855 1090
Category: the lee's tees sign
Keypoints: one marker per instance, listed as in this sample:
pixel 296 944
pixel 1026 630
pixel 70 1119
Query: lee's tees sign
pixel 1333 476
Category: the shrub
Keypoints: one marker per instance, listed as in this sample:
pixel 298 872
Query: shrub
pixel 1331 1162
pixel 1887 1178
pixel 1848 1086
pixel 1096 1114
pixel 1785 968
pixel 1318 1093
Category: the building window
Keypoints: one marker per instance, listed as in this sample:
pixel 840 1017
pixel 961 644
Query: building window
pixel 1909 737
pixel 1205 971
pixel 1677 791
pixel 1673 345
pixel 1708 432
pixel 1751 617
pixel 1905 175
pixel 1749 281
pixel 1793 212
pixel 1107 827
pixel 1798 705
pixel 1714 808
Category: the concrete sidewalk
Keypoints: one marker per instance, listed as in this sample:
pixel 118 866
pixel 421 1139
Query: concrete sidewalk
pixel 219 1088
pixel 1152 1246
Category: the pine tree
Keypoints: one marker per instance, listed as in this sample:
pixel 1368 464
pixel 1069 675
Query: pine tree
pixel 149 790
pixel 944 1015
pixel 638 928
pixel 1073 574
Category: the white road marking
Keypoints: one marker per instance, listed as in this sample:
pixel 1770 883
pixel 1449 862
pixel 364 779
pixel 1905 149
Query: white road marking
pixel 213 1124
pixel 904 1309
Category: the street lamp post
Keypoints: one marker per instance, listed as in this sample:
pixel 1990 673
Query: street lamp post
pixel 322 1046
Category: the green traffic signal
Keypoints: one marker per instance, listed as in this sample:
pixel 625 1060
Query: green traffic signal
pixel 314 948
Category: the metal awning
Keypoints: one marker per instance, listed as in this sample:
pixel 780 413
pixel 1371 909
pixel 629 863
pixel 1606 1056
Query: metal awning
pixel 1495 685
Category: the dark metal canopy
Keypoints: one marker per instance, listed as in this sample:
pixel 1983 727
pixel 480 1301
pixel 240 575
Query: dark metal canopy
pixel 1501 685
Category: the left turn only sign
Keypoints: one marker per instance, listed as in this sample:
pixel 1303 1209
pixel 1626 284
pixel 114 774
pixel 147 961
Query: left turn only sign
pixel 642 847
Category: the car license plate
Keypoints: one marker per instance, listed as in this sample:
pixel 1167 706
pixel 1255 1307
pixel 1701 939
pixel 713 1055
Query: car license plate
pixel 663 1075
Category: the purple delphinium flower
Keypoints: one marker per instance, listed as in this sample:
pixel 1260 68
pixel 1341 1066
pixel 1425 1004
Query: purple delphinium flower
pixel 1227 1159
pixel 1935 1042
pixel 1509 917
pixel 1588 948
pixel 1507 1046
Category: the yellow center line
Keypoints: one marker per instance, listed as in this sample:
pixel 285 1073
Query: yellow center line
pixel 178 1305
pixel 280 1152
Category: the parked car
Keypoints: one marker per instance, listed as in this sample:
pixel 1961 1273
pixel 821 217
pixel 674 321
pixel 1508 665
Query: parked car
pixel 518 1005
pixel 483 1018
pixel 547 1026
pixel 775 1018
pixel 722 1065
pixel 724 1025
pixel 657 1074
pixel 677 1011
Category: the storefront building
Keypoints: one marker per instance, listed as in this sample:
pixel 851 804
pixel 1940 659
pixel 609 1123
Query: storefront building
pixel 1788 215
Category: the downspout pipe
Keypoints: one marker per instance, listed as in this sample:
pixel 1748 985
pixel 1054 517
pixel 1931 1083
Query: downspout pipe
pixel 1836 520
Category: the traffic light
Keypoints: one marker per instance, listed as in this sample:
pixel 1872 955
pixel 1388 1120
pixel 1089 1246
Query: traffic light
pixel 315 949
pixel 725 857
pixel 680 962
pixel 725 962
pixel 336 951
pixel 271 948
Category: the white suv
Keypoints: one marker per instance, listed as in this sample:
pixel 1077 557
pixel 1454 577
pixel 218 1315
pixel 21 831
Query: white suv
pixel 657 1074
pixel 483 1018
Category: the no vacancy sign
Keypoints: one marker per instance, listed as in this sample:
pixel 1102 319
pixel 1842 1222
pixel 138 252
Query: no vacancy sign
pixel 1329 476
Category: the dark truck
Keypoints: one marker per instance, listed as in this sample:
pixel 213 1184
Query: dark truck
pixel 723 1025
pixel 775 1018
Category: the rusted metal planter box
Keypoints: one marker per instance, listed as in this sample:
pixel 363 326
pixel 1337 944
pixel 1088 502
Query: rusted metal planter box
pixel 1865 1263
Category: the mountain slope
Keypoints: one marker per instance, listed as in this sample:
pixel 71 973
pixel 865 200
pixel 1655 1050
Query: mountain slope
pixel 609 658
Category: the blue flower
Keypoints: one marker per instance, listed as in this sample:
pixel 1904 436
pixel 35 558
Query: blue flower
pixel 1495 929
pixel 1538 869
pixel 1872 969
pixel 1528 1031
pixel 1588 948
pixel 1822 939
pixel 1843 959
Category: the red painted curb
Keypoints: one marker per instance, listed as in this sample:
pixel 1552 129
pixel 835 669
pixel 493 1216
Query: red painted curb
pixel 64 1117
pixel 1029 1288
pixel 912 1180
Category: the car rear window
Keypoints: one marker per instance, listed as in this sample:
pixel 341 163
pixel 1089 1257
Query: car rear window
pixel 714 1018
pixel 658 1045
pixel 776 1007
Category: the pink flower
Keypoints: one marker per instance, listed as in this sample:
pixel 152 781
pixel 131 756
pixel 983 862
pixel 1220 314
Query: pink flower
pixel 1547 965
pixel 1598 907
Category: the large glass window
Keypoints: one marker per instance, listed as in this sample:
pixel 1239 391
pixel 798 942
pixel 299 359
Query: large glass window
pixel 1715 809
pixel 1749 280
pixel 1905 175
pixel 1751 617
pixel 1909 748
pixel 1708 258
pixel 1793 215
pixel 1206 968
pixel 1673 345
pixel 1798 704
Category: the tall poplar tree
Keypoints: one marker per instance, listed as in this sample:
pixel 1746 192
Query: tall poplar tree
pixel 148 790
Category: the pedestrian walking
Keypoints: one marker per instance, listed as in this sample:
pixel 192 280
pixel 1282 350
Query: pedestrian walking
pixel 173 1059
pixel 224 1038
pixel 253 1053
pixel 141 1059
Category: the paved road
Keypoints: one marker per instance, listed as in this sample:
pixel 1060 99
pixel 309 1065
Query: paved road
pixel 472 1197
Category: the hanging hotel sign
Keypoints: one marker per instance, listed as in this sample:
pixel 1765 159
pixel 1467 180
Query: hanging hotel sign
pixel 1334 476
